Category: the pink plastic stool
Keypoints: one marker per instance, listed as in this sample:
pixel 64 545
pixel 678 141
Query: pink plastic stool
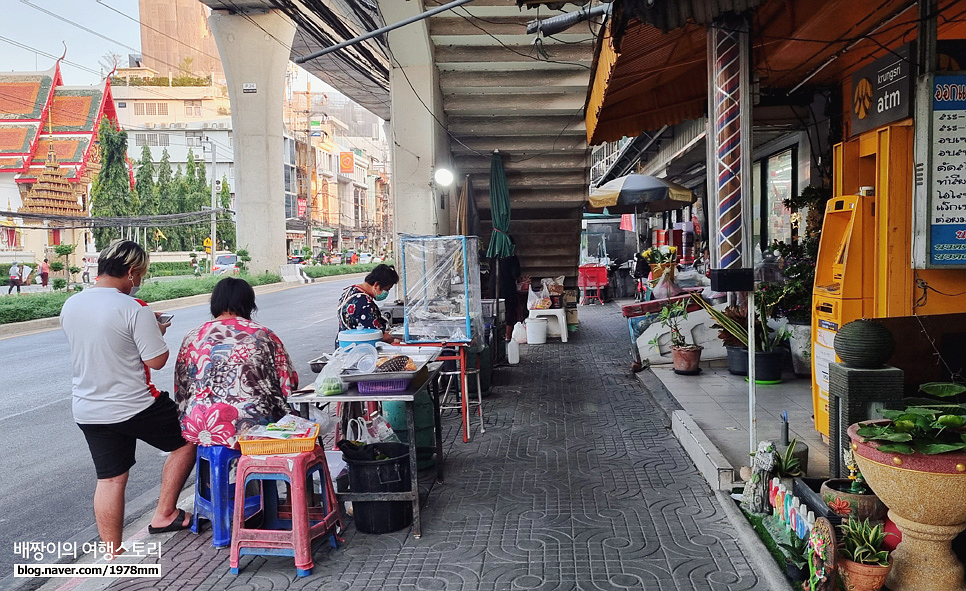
pixel 290 529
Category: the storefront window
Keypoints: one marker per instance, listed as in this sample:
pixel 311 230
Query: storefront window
pixel 779 184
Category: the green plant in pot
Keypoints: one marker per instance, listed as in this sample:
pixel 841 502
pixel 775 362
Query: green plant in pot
pixel 863 563
pixel 686 357
pixel 915 461
pixel 796 557
pixel 850 497
pixel 767 341
pixel 794 303
pixel 787 465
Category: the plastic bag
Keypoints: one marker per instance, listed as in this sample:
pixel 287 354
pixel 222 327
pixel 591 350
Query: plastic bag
pixel 357 430
pixel 666 288
pixel 519 333
pixel 330 380
pixel 539 301
pixel 381 431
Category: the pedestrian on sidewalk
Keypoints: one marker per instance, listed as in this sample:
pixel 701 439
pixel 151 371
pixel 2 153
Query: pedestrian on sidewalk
pixel 44 273
pixel 14 278
pixel 214 388
pixel 112 338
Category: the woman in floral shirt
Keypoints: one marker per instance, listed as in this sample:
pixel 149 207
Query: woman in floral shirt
pixel 357 306
pixel 231 373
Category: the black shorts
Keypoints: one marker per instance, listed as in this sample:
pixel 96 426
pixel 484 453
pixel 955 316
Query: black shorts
pixel 113 446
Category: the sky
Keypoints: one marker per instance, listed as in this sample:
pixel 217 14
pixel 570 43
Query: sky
pixel 33 34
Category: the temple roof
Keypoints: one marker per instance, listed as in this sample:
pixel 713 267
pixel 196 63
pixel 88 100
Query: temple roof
pixel 35 108
pixel 24 95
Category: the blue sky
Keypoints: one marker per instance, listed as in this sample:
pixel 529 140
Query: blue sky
pixel 90 28
pixel 26 25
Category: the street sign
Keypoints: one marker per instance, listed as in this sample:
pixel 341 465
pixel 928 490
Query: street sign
pixel 207 241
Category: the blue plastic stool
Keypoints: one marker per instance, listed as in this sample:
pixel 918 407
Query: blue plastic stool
pixel 214 495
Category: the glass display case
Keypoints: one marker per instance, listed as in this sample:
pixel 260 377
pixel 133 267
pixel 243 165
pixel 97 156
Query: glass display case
pixel 441 287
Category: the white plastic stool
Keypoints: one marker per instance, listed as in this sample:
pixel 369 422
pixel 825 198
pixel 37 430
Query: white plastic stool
pixel 559 314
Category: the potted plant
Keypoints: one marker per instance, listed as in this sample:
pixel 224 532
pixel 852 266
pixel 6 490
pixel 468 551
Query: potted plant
pixel 768 354
pixel 662 259
pixel 797 265
pixel 850 497
pixel 796 557
pixel 915 461
pixel 864 564
pixel 788 465
pixel 686 357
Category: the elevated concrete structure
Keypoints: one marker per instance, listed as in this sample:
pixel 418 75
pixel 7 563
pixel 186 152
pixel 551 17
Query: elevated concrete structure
pixel 255 49
pixel 454 88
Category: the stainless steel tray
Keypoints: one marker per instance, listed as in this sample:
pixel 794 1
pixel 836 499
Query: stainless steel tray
pixel 417 353
pixel 420 356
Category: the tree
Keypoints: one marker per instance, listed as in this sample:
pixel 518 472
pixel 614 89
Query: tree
pixel 177 234
pixel 144 183
pixel 111 192
pixel 226 227
pixel 164 195
pixel 65 250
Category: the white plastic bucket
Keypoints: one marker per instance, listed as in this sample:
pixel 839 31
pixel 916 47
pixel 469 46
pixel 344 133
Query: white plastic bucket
pixel 536 331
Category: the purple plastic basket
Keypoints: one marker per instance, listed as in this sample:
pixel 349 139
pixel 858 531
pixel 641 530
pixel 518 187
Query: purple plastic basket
pixel 383 386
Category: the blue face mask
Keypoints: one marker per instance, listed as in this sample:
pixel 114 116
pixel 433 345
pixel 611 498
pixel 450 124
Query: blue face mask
pixel 381 296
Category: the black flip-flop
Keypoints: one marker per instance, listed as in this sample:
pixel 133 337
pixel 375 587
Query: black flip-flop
pixel 176 525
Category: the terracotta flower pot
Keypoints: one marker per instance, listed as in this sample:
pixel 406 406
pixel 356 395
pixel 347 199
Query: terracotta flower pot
pixel 686 359
pixel 862 577
pixel 850 505
pixel 926 496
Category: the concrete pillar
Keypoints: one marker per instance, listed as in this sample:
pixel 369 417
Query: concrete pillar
pixel 419 144
pixel 255 49
pixel 729 141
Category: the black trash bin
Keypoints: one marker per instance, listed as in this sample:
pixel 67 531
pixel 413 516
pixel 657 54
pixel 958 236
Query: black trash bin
pixel 374 476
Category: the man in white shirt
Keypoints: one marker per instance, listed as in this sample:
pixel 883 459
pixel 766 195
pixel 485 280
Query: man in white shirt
pixel 112 340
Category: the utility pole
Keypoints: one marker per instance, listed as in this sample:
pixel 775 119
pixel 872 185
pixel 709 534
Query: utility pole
pixel 310 170
pixel 214 205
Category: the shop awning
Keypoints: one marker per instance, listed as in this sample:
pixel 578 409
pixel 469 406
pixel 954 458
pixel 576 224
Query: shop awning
pixel 661 79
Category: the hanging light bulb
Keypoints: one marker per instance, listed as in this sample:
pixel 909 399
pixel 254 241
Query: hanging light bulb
pixel 443 177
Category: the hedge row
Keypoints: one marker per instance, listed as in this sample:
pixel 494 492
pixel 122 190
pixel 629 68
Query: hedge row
pixel 32 306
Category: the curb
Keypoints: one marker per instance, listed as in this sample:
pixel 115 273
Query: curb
pixel 18 329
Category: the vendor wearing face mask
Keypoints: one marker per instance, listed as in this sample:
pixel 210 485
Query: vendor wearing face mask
pixel 357 306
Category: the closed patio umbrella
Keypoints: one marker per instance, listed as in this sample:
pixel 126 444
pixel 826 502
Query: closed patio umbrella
pixel 639 192
pixel 500 245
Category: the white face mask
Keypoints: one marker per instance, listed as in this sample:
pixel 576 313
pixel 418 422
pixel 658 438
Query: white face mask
pixel 134 290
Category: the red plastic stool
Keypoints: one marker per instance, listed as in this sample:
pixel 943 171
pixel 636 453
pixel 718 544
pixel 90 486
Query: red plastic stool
pixel 289 529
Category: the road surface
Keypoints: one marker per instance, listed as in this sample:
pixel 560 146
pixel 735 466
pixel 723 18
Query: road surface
pixel 47 483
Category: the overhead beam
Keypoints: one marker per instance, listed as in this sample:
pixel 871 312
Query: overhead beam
pixel 454 54
pixel 518 126
pixel 519 145
pixel 573 79
pixel 520 104
pixel 473 163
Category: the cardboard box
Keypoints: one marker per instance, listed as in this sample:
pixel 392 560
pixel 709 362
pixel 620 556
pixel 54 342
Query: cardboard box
pixel 570 297
pixel 572 316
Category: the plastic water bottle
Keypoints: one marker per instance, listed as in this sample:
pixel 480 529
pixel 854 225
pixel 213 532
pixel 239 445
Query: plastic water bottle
pixel 513 352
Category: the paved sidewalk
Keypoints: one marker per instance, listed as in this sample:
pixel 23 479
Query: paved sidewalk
pixel 576 484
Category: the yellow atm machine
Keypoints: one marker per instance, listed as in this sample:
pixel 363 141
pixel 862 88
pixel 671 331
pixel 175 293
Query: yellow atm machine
pixel 865 267
pixel 843 285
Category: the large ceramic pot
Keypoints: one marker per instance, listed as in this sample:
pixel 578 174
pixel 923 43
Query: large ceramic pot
pixel 686 359
pixel 926 496
pixel 850 505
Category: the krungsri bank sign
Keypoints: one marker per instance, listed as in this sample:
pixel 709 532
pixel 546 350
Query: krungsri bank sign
pixel 882 91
